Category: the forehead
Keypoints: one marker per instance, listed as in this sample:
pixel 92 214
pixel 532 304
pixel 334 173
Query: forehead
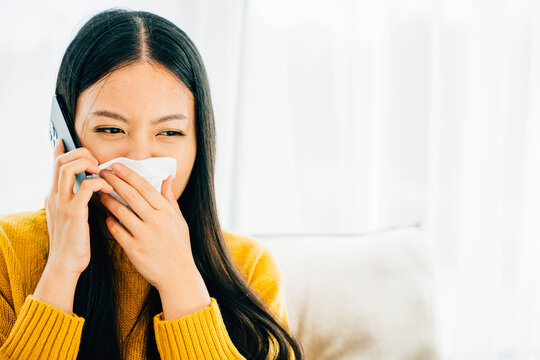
pixel 140 88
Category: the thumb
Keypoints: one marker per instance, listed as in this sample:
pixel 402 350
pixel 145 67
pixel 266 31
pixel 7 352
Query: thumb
pixel 167 192
pixel 166 189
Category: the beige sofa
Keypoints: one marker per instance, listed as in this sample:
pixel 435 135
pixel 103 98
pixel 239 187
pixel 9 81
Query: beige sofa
pixel 360 297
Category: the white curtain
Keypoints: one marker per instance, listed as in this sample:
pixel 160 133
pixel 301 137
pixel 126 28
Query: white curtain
pixel 356 116
pixel 483 183
pixel 347 116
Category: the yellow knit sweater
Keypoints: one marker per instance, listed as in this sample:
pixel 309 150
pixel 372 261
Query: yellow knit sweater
pixel 32 329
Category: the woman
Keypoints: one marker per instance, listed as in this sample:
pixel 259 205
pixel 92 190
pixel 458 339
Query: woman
pixel 88 278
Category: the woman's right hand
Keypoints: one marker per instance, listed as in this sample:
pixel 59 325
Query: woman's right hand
pixel 67 213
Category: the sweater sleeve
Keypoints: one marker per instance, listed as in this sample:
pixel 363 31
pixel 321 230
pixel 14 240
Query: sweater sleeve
pixel 203 335
pixel 33 329
pixel 42 331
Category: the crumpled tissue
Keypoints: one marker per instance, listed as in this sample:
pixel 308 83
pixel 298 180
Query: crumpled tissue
pixel 154 170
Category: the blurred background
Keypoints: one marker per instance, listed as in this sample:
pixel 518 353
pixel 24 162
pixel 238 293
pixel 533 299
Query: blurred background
pixel 344 117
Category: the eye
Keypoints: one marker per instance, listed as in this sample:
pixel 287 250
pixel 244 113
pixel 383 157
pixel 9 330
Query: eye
pixel 172 133
pixel 111 130
pixel 104 130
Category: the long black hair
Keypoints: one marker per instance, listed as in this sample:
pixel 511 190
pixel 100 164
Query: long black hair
pixel 108 41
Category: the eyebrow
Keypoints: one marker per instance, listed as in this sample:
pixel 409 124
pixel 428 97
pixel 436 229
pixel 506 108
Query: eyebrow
pixel 116 116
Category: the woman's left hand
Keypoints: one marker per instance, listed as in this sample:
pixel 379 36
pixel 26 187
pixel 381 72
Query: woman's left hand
pixel 157 240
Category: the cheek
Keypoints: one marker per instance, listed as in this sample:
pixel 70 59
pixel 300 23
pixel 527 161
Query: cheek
pixel 177 187
pixel 95 149
pixel 101 156
pixel 180 179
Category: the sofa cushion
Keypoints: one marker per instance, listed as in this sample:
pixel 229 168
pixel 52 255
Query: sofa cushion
pixel 360 297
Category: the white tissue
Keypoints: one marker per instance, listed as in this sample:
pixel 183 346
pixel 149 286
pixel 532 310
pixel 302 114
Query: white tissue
pixel 154 170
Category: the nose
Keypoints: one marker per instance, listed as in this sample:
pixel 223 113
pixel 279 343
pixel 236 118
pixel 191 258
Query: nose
pixel 139 148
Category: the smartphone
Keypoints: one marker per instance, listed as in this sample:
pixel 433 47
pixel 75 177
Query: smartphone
pixel 61 128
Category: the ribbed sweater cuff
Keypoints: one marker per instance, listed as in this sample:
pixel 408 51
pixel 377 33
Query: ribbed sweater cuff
pixel 42 331
pixel 201 335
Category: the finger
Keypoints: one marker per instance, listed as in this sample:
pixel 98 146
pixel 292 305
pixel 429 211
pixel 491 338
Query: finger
pixel 58 149
pixel 168 194
pixel 62 158
pixel 129 194
pixel 166 190
pixel 120 234
pixel 89 187
pixel 138 188
pixel 129 219
pixel 67 176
